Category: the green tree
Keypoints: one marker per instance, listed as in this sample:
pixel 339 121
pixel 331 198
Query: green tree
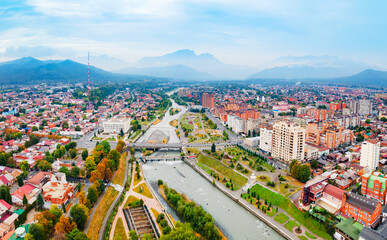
pixel 5 194
pixel 314 163
pixel 20 180
pixel 182 231
pixel 133 235
pixel 24 166
pixel 121 132
pixel 25 201
pixel 79 214
pixel 85 154
pixel 34 129
pixel 368 121
pixel 78 128
pixel 213 148
pixel 65 170
pixel 92 195
pixel 304 173
pixel 38 231
pixel 73 153
pixel 65 125
pixel 115 156
pixel 75 171
pixel 40 201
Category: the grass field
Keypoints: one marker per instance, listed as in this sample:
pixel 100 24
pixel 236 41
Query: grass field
pixel 283 202
pixel 291 225
pixel 310 235
pixel 120 173
pixel 145 190
pixel 281 218
pixel 193 151
pixel 302 237
pixel 130 200
pixel 225 171
pixel 100 213
pixel 119 231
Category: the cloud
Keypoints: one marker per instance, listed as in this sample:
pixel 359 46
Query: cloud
pixel 24 51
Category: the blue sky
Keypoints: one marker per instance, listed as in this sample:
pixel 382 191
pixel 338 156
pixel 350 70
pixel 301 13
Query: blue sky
pixel 253 32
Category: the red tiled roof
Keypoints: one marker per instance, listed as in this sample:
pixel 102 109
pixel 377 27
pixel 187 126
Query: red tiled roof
pixel 35 180
pixel 4 179
pixel 334 191
pixel 5 204
pixel 23 190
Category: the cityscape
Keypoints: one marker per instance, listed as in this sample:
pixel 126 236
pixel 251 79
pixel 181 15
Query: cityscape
pixel 113 128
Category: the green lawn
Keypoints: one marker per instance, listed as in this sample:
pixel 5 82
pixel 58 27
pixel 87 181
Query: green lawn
pixel 310 235
pixel 291 224
pixel 283 202
pixel 272 212
pixel 225 171
pixel 281 218
pixel 302 237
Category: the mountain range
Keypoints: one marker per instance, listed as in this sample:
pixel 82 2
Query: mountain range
pixel 202 67
pixel 31 71
pixel 186 65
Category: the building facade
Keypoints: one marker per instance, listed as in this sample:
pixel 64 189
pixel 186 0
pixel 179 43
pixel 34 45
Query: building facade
pixel 115 125
pixel 288 141
pixel 369 154
pixel 266 134
pixel 208 100
pixel 373 185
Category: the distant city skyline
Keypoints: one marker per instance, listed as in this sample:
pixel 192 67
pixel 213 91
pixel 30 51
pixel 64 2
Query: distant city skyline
pixel 253 33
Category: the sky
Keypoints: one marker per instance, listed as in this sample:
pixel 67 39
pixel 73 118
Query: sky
pixel 251 32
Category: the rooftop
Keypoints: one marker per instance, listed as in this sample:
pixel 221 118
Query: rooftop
pixel 364 203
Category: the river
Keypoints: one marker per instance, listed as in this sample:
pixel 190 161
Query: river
pixel 233 220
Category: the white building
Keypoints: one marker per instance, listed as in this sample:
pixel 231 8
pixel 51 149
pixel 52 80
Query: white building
pixel 369 154
pixel 115 125
pixel 236 123
pixel 288 141
pixel 266 134
pixel 252 142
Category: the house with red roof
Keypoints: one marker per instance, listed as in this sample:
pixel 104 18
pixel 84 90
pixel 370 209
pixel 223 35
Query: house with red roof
pixel 27 190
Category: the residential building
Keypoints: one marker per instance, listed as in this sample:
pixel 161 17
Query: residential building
pixel 252 142
pixel 288 141
pixel 115 125
pixel 266 134
pixel 327 134
pixel 361 107
pixel 27 190
pixel 208 100
pixel 364 210
pixel 373 185
pixel 236 123
pixel 369 154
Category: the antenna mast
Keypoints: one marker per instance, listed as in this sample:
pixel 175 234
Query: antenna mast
pixel 88 71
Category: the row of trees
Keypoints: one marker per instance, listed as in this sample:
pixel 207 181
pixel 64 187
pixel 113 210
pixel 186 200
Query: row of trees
pixel 201 221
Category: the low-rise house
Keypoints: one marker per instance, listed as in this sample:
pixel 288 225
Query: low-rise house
pixel 27 190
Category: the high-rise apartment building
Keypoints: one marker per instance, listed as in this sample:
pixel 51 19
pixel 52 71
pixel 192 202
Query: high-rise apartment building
pixel 266 134
pixel 208 100
pixel 361 107
pixel 369 154
pixel 288 141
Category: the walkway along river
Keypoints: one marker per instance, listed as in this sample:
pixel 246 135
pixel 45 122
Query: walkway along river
pixel 233 220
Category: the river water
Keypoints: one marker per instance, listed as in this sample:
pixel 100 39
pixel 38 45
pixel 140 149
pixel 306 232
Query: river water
pixel 233 220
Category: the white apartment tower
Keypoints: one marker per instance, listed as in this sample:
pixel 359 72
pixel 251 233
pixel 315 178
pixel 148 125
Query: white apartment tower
pixel 266 134
pixel 369 154
pixel 288 141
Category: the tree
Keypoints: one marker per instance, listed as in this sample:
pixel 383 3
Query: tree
pixel 213 148
pixel 34 129
pixel 75 171
pixel 78 128
pixel 25 201
pixel 82 197
pixel 29 236
pixel 383 119
pixel 121 132
pixel 75 234
pixel 5 194
pixel 24 166
pixel 65 170
pixel 65 125
pixel 115 156
pixel 20 180
pixel 304 173
pixel 40 201
pixel 65 225
pixel 133 235
pixel 37 231
pixel 56 211
pixel 85 154
pixel 182 231
pixel 368 121
pixel 90 164
pixel 79 214
pixel 106 146
pixel 92 195
pixel 73 153
pixel 314 163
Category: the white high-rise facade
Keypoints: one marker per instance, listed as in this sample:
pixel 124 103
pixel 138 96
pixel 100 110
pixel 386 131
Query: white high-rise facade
pixel 369 154
pixel 288 141
pixel 266 134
